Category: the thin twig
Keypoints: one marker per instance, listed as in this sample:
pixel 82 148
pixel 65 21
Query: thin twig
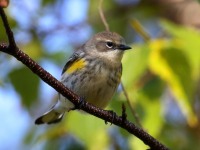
pixel 146 37
pixel 130 106
pixel 102 16
pixel 125 93
pixel 7 28
pixel 13 50
pixel 140 30
pixel 124 115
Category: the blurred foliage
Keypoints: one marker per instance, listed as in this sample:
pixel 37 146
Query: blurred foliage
pixel 161 76
pixel 26 84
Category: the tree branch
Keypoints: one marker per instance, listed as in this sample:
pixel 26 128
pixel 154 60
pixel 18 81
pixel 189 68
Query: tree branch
pixel 13 50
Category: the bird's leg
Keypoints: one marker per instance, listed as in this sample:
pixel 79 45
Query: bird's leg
pixel 124 115
pixel 79 105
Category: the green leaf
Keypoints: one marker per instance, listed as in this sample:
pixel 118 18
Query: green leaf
pixel 187 40
pixel 33 49
pixel 148 98
pixel 134 64
pixel 58 58
pixel 26 84
pixel 89 129
pixel 172 66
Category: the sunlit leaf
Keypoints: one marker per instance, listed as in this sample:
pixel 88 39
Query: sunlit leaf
pixel 91 130
pixel 173 67
pixel 33 49
pixel 134 64
pixel 187 40
pixel 137 144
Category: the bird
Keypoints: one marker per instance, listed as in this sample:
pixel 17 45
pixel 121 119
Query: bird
pixel 93 72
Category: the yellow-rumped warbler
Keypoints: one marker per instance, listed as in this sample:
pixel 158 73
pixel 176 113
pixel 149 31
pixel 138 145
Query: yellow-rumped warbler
pixel 93 72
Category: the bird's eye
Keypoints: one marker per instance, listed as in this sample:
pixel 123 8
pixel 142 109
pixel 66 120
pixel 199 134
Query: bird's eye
pixel 109 44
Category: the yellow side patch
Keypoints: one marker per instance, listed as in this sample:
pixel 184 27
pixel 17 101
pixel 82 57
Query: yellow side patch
pixel 76 65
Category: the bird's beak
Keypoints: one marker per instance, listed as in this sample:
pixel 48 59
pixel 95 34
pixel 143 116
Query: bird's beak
pixel 123 47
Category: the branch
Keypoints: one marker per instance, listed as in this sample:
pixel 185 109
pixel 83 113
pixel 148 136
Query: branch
pixel 102 16
pixel 140 30
pixel 13 50
pixel 130 106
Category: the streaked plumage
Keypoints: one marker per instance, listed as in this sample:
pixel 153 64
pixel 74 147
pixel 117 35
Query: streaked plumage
pixel 93 72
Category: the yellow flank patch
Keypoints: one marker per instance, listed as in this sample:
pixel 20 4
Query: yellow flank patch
pixel 76 66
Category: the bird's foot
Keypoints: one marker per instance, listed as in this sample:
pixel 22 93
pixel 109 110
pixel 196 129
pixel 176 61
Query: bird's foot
pixel 113 116
pixel 79 105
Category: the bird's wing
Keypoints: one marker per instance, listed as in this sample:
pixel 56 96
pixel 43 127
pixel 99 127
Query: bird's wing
pixel 75 57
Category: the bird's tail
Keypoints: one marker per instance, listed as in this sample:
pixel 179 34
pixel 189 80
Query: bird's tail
pixel 50 117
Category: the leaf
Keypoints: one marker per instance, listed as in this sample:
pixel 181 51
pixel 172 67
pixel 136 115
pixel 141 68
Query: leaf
pixel 33 49
pixel 26 84
pixel 134 64
pixel 187 40
pixel 58 58
pixel 89 129
pixel 148 98
pixel 173 67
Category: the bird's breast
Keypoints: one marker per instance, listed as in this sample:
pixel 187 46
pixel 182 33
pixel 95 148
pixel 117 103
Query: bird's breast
pixel 96 82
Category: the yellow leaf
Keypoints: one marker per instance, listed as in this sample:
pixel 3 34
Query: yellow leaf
pixel 172 67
